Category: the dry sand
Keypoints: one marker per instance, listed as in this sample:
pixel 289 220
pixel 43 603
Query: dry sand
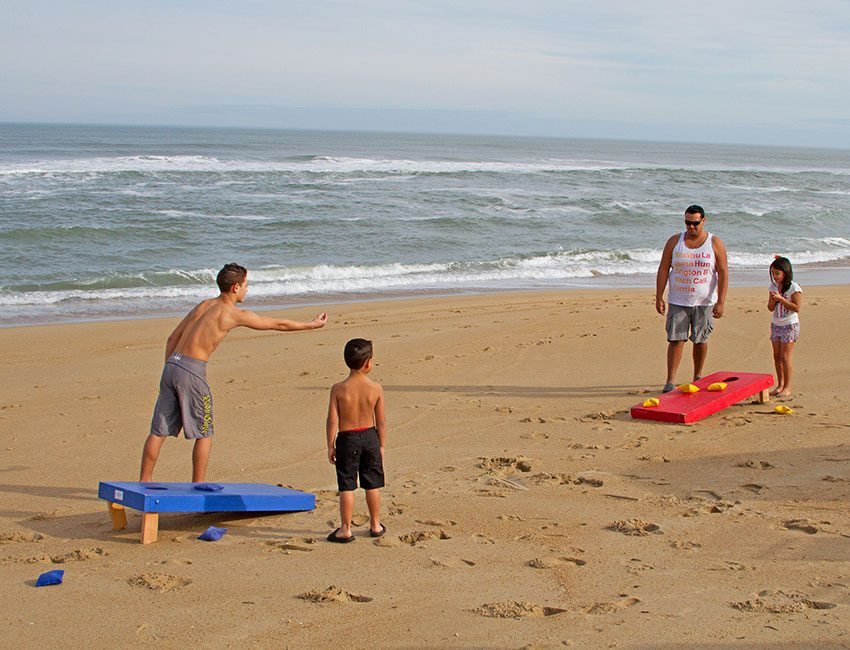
pixel 524 507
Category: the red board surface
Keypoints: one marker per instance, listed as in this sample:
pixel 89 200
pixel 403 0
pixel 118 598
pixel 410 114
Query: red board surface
pixel 677 406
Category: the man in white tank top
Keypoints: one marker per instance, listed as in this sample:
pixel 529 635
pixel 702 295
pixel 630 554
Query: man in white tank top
pixel 694 265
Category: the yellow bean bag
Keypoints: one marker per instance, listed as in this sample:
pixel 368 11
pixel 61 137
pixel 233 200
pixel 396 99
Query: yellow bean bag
pixel 689 388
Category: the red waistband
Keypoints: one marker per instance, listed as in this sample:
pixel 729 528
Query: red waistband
pixel 361 430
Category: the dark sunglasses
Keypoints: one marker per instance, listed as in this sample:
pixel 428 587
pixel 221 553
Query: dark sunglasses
pixel 693 223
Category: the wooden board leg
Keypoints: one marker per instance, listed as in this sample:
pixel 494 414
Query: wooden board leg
pixel 118 514
pixel 150 527
pixel 764 396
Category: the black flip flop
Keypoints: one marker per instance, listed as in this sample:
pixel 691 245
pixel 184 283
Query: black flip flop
pixel 372 533
pixel 339 540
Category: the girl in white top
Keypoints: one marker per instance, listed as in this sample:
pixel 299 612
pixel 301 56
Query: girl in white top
pixel 784 301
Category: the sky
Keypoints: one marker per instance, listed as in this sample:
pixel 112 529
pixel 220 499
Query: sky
pixel 746 71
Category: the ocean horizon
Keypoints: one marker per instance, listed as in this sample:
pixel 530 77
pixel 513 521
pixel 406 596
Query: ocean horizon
pixel 102 222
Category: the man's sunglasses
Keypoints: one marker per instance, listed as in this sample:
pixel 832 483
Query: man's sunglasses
pixel 693 223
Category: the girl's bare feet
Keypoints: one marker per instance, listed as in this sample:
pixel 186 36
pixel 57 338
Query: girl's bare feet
pixel 785 392
pixel 776 391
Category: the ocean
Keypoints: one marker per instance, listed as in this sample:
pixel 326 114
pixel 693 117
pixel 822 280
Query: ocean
pixel 102 222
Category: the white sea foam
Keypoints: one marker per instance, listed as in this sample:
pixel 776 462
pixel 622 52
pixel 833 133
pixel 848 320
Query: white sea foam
pixel 270 282
pixel 349 165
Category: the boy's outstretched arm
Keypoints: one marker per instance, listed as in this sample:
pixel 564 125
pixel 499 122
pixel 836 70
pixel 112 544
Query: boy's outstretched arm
pixel 332 426
pixel 256 322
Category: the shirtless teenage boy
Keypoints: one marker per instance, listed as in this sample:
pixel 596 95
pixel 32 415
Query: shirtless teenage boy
pixel 356 432
pixel 185 401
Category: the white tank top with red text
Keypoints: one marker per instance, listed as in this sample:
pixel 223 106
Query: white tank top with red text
pixel 693 278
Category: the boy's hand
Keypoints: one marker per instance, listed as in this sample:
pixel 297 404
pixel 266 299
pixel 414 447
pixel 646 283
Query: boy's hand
pixel 320 320
pixel 332 455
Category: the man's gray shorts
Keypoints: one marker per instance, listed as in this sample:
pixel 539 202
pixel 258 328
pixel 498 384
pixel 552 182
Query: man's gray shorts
pixel 694 321
pixel 185 400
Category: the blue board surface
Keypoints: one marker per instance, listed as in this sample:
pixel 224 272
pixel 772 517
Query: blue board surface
pixel 185 497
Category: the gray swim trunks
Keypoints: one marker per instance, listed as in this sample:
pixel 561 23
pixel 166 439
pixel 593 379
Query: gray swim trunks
pixel 185 400
pixel 697 321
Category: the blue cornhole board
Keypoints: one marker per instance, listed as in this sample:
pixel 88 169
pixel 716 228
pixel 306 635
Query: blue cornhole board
pixel 153 498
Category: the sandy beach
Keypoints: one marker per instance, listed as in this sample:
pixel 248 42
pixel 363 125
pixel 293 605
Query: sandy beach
pixel 524 506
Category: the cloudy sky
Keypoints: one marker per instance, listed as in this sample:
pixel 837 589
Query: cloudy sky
pixel 751 71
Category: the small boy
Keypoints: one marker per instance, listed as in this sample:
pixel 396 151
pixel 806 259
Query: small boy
pixel 356 411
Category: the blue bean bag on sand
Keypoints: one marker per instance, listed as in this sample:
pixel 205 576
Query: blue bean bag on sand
pixel 212 534
pixel 50 578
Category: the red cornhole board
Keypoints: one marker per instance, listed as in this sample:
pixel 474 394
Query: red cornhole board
pixel 677 406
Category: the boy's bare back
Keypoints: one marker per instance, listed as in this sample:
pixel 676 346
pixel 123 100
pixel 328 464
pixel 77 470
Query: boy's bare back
pixel 357 402
pixel 205 327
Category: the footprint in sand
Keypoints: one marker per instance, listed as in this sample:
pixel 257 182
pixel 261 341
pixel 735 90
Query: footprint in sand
pixel 452 563
pixel 324 497
pixel 418 536
pixel 292 544
pixel 737 420
pixel 505 465
pixel 359 519
pixel 610 608
pixel 552 479
pixel 436 522
pixel 803 525
pixel 780 602
pixel 77 555
pixel 685 545
pixel 552 562
pixel 7 538
pixel 334 594
pixel 599 415
pixel 755 464
pixel 587 479
pixel 711 508
pixel 516 609
pixel 635 527
pixel 583 445
pixel 535 435
pixel 159 581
